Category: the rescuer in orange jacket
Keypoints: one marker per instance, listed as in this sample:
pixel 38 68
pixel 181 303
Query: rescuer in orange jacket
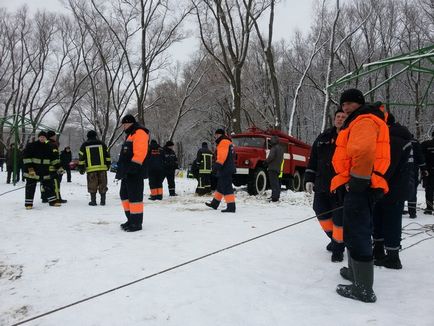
pixel 131 170
pixel 361 159
pixel 224 168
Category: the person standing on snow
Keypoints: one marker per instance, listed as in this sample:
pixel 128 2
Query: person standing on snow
pixel 224 168
pixel 170 165
pixel 131 171
pixel 361 159
pixel 388 210
pixel 428 180
pixel 156 170
pixel 65 159
pixel 37 158
pixel 94 158
pixel 274 164
pixel 318 176
pixel 55 168
pixel 203 164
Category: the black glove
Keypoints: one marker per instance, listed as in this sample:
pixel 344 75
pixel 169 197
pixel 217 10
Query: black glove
pixel 134 168
pixel 358 185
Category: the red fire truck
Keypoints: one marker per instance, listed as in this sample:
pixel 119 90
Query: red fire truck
pixel 252 148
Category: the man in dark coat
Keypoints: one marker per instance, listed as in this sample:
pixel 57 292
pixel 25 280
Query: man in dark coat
pixel 170 165
pixel 203 165
pixel 388 211
pixel 417 161
pixel 274 166
pixel 156 170
pixel 55 168
pixel 65 159
pixel 318 175
pixel 428 180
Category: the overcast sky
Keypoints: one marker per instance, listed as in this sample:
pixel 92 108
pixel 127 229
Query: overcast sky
pixel 290 15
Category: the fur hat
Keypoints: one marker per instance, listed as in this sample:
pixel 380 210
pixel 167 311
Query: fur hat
pixel 50 133
pixel 352 95
pixel 169 143
pixel 129 118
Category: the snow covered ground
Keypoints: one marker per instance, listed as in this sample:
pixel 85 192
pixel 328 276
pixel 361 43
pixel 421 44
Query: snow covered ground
pixel 51 257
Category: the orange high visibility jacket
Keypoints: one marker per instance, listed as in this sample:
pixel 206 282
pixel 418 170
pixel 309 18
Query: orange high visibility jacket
pixel 362 151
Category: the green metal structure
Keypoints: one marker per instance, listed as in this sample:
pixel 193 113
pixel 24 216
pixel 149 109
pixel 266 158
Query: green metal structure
pixel 15 124
pixel 420 61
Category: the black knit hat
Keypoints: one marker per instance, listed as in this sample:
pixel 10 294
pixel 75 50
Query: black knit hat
pixel 204 144
pixel 129 118
pixel 219 132
pixel 50 133
pixel 91 134
pixel 352 95
pixel 169 143
pixel 42 133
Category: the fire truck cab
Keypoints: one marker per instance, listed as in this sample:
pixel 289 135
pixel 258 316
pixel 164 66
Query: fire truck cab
pixel 252 148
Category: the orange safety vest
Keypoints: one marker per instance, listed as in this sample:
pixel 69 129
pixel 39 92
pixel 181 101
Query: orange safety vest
pixel 373 164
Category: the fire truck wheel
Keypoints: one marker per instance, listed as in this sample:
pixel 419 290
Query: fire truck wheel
pixel 257 182
pixel 298 181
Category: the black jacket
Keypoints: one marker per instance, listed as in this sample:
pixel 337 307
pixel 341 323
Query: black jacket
pixel 39 157
pixel 65 159
pixel 320 169
pixel 204 160
pixel 428 152
pixel 275 157
pixel 170 159
pixel 398 175
pixel 155 159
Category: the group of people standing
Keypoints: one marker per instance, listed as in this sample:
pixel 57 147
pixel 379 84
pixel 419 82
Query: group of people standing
pixel 362 170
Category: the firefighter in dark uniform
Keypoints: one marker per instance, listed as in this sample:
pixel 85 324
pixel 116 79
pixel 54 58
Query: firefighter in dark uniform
pixel 94 158
pixel 170 165
pixel 203 164
pixel 388 210
pixel 56 168
pixel 156 170
pixel 274 166
pixel 131 171
pixel 224 168
pixel 37 159
pixel 428 180
pixel 318 175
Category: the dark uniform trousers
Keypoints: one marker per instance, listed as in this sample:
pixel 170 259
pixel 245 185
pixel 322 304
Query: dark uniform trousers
pixel 429 191
pixel 97 181
pixel 358 224
pixel 330 218
pixel 170 175
pixel 156 179
pixel 225 189
pixel 131 194
pixel 46 184
pixel 388 224
pixel 203 184
pixel 275 184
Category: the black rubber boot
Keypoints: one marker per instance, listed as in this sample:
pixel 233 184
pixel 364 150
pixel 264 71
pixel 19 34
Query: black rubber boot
pixel 330 246
pixel 378 250
pixel 92 199
pixel 102 202
pixel 230 208
pixel 159 197
pixel 391 260
pixel 363 281
pixel 347 272
pixel 134 225
pixel 213 204
pixel 127 223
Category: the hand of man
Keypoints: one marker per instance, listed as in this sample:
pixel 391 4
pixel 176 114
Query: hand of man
pixel 309 187
pixel 32 172
pixel 60 171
